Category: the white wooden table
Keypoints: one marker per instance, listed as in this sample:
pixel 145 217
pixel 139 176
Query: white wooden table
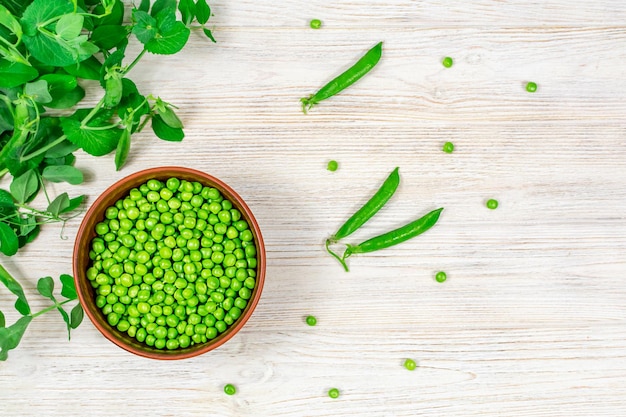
pixel 532 319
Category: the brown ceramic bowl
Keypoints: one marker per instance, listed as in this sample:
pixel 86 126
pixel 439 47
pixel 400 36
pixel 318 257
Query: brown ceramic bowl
pixel 86 233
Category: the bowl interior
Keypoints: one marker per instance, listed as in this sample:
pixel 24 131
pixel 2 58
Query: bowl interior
pixel 86 233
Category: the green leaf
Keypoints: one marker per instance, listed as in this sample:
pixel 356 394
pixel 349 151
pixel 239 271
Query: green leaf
pixel 109 36
pixel 63 173
pixel 68 290
pixel 24 186
pixel 45 287
pixel 6 201
pixel 2 320
pixel 76 316
pixel 9 244
pixel 170 118
pixel 169 42
pixel 21 305
pixel 123 147
pixel 67 99
pixel 115 17
pixel 144 6
pixel 88 69
pixel 94 142
pixel 145 28
pixel 203 11
pixel 61 150
pixel 9 21
pixel 74 204
pixel 60 203
pixel 187 10
pixel 163 131
pixel 28 223
pixel 38 90
pixel 44 44
pixel 160 5
pixel 69 26
pixel 112 90
pixel 66 319
pixel 10 336
pixel 209 34
pixel 13 74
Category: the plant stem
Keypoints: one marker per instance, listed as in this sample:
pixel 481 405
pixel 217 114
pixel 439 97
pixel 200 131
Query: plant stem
pixel 52 307
pixel 132 64
pixel 43 149
pixel 341 260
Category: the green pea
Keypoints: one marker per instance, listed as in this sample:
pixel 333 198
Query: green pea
pixel 410 364
pixel 531 87
pixel 440 276
pixel 447 62
pixel 333 393
pixel 311 320
pixel 332 166
pixel 492 204
pixel 448 147
pixel 315 24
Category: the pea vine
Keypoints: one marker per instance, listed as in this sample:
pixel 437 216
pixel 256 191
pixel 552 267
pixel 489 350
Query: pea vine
pixel 49 51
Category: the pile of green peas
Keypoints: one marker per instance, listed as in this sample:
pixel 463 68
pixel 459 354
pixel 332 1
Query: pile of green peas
pixel 173 264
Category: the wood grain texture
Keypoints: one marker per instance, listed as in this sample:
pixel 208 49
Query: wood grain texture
pixel 532 320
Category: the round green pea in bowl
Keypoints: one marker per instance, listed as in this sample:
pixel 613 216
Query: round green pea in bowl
pixel 169 263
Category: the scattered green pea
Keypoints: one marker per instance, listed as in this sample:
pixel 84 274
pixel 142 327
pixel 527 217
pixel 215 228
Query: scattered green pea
pixel 230 389
pixel 315 24
pixel 333 393
pixel 448 147
pixel 164 272
pixel 492 204
pixel 332 166
pixel 531 87
pixel 311 320
pixel 441 276
pixel 410 364
pixel 447 62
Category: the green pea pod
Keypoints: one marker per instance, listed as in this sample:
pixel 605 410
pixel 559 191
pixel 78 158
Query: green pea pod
pixel 396 236
pixel 346 79
pixel 369 209
pixel 113 92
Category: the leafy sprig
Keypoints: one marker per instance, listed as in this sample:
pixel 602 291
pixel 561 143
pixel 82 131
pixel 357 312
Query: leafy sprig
pixel 10 336
pixel 48 50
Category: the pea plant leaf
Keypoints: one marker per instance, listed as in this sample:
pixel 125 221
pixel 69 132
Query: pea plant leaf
pixel 45 287
pixel 6 202
pixel 47 46
pixel 63 173
pixel 187 10
pixel 165 132
pixel 2 320
pixel 60 203
pixel 21 305
pixel 76 316
pixel 203 11
pixel 10 336
pixel 160 5
pixel 24 186
pixel 94 142
pixel 69 26
pixel 9 243
pixel 209 34
pixel 66 319
pixel 144 6
pixel 13 74
pixel 109 36
pixel 68 289
pixel 28 224
pixel 170 118
pixel 61 150
pixel 73 204
pixel 171 41
pixel 38 90
pixel 145 28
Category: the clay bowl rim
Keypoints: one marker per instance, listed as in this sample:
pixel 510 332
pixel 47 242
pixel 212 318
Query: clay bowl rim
pixel 86 233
